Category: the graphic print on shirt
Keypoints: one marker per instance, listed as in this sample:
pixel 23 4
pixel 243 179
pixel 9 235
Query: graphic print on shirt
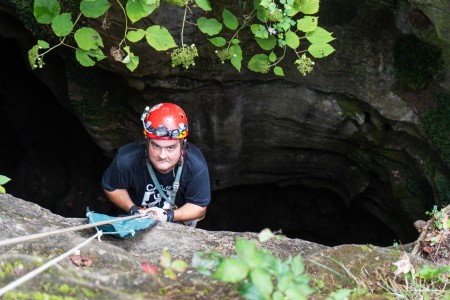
pixel 152 196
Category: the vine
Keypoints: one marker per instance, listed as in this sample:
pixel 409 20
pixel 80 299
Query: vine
pixel 276 25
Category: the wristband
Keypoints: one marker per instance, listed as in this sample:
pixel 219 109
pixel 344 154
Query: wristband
pixel 170 216
pixel 133 210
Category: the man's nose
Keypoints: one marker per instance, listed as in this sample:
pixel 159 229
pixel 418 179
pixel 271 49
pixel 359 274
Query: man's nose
pixel 163 153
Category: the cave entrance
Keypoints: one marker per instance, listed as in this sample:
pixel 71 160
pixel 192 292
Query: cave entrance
pixel 57 166
pixel 314 214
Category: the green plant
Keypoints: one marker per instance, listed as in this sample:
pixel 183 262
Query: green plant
pixel 440 222
pixel 428 283
pixel 416 62
pixel 437 124
pixel 172 266
pixel 258 273
pixel 3 180
pixel 276 26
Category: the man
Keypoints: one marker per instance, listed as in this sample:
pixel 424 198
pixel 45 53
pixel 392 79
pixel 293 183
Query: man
pixel 163 174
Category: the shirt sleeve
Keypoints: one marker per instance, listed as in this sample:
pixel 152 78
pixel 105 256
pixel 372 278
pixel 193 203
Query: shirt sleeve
pixel 114 178
pixel 198 189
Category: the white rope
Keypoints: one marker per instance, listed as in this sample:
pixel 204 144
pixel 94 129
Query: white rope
pixel 80 227
pixel 45 266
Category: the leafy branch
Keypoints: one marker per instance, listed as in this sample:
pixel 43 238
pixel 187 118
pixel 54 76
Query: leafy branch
pixel 276 26
pixel 3 180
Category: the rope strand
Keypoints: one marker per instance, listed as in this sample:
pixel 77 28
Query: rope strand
pixel 80 227
pixel 45 266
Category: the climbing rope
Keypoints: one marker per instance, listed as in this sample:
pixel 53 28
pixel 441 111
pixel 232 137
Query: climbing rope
pixel 45 266
pixel 80 227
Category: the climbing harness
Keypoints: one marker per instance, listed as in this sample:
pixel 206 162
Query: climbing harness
pixel 170 196
pixel 45 266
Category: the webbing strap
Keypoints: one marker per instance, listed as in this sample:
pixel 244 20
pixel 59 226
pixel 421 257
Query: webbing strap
pixel 170 196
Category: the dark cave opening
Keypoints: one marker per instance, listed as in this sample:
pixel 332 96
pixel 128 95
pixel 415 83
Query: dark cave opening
pixel 313 214
pixel 53 162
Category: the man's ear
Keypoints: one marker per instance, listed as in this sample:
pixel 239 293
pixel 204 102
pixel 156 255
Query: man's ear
pixel 183 143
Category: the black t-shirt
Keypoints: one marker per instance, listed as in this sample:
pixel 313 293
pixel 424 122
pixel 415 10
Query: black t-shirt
pixel 129 171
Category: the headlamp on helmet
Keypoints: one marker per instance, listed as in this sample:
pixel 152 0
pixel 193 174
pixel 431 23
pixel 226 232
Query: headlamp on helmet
pixel 165 121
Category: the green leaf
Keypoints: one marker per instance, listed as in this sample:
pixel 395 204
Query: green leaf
pixel 4 179
pixel 267 44
pixel 292 39
pixel 236 56
pixel 320 50
pixel 308 7
pixel 307 23
pixel 83 58
pixel 266 234
pixel 62 25
pixel 319 36
pixel 262 281
pixel 133 63
pixel 231 270
pixel 2 190
pixel 160 38
pixel 94 8
pixel 43 44
pixel 294 292
pixel 218 41
pixel 245 249
pixel 259 63
pixel 166 259
pixel 179 265
pixel 135 35
pixel 278 71
pixel 285 281
pixel 229 20
pixel 277 295
pixel 138 9
pixel 171 274
pixel 204 4
pixel 297 265
pixel 235 41
pixel 259 31
pixel 46 10
pixel 209 26
pixel 88 39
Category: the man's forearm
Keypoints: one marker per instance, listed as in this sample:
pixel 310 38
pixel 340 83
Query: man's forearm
pixel 120 198
pixel 189 212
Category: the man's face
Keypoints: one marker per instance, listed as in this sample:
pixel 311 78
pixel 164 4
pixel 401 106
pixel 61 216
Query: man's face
pixel 164 154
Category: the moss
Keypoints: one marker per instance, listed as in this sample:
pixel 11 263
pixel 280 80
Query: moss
pixel 366 248
pixel 416 62
pixel 437 124
pixel 349 107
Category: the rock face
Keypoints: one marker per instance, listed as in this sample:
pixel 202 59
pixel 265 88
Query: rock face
pixel 112 268
pixel 350 127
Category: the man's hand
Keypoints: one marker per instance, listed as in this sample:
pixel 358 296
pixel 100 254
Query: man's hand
pixel 134 210
pixel 161 214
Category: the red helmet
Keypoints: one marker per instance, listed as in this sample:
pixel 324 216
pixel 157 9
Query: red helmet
pixel 165 121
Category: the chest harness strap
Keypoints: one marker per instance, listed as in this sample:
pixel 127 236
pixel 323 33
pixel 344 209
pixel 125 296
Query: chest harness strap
pixel 170 196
